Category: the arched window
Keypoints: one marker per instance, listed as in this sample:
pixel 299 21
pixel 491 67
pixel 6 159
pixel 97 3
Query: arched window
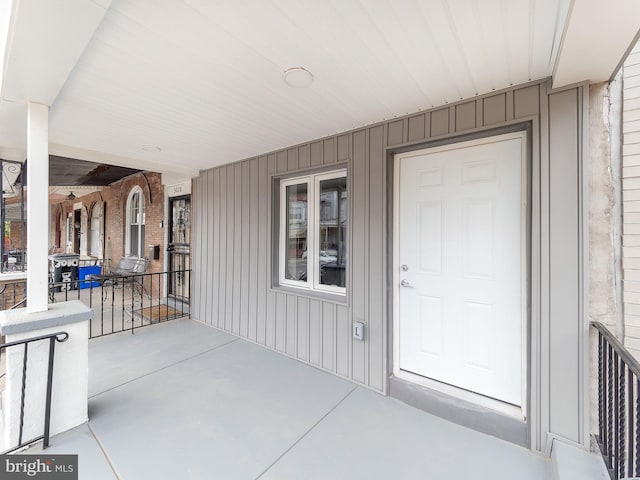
pixel 134 246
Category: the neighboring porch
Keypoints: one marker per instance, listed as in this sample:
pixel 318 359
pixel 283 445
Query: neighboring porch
pixel 223 407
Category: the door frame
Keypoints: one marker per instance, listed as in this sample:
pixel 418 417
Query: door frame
pixel 170 201
pixel 524 134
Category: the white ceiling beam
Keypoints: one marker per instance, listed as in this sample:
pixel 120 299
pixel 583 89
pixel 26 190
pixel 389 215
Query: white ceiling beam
pixel 44 41
pixel 596 39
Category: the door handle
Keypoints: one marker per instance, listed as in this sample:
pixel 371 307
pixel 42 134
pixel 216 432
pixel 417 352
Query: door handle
pixel 405 283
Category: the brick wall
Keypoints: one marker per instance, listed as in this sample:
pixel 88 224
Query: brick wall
pixel 11 293
pixel 15 235
pixel 115 198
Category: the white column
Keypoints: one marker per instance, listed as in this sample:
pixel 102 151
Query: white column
pixel 37 206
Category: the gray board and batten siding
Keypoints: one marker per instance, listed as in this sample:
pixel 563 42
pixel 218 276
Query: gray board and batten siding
pixel 232 244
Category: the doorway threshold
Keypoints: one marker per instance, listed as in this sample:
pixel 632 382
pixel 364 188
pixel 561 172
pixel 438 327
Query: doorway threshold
pixel 482 400
pixel 461 407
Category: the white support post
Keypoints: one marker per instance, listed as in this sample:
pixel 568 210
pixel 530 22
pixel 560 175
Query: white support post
pixel 37 206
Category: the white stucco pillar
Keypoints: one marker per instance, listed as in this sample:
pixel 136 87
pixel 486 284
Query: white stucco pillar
pixel 70 371
pixel 37 206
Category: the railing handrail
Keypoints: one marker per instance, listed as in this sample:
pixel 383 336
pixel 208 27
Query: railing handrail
pixel 53 338
pixel 620 349
pixel 64 336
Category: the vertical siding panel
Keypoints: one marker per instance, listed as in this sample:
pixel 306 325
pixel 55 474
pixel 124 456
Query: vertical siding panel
pixel 316 154
pixel 328 336
pixel 494 109
pixel 303 156
pixel 292 159
pixel 427 125
pixel 282 161
pixel 315 332
pixel 343 341
pixel 303 329
pixel 280 317
pixel 214 243
pixel 564 262
pixel 237 245
pixel 376 257
pixel 526 101
pixel 479 113
pixel 264 232
pixel 545 208
pixel 465 116
pixel 452 119
pixel 222 274
pixel 245 255
pixel 329 153
pixel 270 327
pixel 358 217
pixel 210 248
pixel 280 339
pixel 416 128
pixel 395 131
pixel 231 182
pixel 440 122
pixel 291 331
pixel 344 147
pixel 254 240
pixel 205 251
pixel 509 95
pixel 196 289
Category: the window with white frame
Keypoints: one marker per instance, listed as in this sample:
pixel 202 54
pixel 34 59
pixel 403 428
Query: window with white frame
pixel 313 232
pixel 135 223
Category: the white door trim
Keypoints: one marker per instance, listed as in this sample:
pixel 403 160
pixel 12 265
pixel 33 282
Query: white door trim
pixel 448 389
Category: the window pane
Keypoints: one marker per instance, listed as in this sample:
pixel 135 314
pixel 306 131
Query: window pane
pixel 296 233
pixel 133 239
pixel 332 239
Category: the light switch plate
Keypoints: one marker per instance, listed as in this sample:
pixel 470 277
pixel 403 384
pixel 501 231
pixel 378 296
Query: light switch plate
pixel 358 330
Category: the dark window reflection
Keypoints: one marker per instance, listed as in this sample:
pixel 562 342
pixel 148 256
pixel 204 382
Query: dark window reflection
pixel 296 233
pixel 333 232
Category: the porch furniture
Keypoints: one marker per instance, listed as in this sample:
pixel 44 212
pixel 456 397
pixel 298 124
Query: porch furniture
pixel 128 273
pixel 125 272
pixel 126 269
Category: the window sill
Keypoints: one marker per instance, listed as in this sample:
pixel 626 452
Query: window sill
pixel 13 276
pixel 337 298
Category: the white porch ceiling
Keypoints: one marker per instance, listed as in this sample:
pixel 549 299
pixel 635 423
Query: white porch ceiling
pixel 202 79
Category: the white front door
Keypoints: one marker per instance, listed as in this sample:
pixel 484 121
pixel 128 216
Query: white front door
pixel 461 264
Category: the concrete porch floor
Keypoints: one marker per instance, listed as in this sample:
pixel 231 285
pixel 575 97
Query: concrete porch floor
pixel 181 400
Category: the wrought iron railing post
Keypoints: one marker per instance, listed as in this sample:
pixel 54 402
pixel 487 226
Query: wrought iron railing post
pixel 47 406
pixel 25 356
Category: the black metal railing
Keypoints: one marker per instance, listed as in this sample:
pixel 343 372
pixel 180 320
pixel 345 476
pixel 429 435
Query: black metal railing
pixel 119 303
pixel 127 302
pixel 618 406
pixel 24 391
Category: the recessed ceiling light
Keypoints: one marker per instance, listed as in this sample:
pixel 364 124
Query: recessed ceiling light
pixel 151 148
pixel 297 77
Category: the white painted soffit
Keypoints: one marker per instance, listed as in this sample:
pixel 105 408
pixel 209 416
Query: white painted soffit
pixel 44 40
pixel 597 37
